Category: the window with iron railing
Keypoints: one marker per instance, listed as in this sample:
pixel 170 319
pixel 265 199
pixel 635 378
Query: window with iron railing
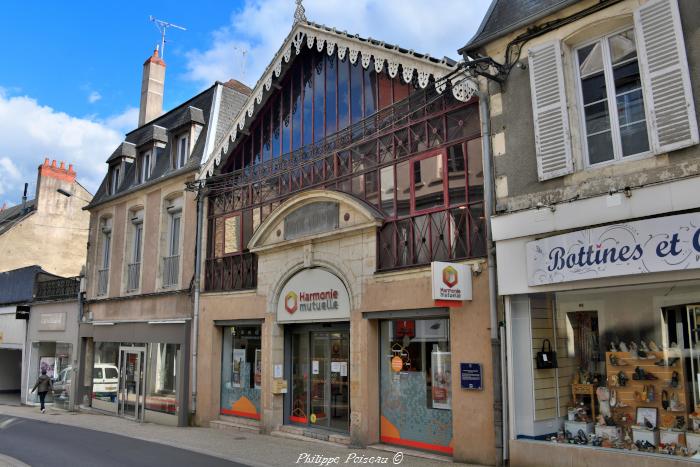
pixel 417 161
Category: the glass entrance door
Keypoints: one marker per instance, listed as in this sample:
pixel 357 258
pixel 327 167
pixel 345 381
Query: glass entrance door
pixel 131 363
pixel 321 379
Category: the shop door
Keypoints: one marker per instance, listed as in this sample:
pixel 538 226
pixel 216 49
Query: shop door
pixel 321 379
pixel 131 383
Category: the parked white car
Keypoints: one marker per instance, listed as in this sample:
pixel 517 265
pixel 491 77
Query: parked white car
pixel 105 381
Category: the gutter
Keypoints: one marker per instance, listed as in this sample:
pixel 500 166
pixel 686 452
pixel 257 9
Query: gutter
pixel 496 352
pixel 197 292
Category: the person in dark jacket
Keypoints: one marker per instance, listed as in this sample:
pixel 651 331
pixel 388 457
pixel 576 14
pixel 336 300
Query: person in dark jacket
pixel 44 385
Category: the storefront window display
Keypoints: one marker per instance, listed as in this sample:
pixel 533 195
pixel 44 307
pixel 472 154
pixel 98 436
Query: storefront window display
pixel 626 367
pixel 241 371
pixel 161 383
pixel 105 376
pixel 54 357
pixel 416 393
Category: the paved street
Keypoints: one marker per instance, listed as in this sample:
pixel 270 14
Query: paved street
pixel 41 444
pixel 97 440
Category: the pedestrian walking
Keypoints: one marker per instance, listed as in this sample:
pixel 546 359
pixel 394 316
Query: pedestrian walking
pixel 44 385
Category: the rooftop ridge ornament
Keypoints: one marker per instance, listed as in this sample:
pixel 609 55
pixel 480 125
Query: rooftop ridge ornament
pixel 299 13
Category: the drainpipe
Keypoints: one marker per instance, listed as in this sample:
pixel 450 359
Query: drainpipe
pixel 498 387
pixel 195 318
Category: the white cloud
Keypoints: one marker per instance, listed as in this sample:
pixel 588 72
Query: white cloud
pixel 94 97
pixel 30 132
pixel 261 26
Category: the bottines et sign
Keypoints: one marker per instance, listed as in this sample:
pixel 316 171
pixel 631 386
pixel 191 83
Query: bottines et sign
pixel 313 295
pixel 655 245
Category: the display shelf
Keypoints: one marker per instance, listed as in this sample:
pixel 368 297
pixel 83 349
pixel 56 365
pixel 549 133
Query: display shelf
pixel 626 394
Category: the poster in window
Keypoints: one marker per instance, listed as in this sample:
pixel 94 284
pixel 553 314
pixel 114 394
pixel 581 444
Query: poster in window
pixel 48 364
pixel 258 368
pixel 232 235
pixel 237 367
pixel 441 377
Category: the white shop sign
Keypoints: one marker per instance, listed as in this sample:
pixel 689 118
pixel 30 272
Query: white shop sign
pixel 655 245
pixel 451 281
pixel 52 321
pixel 313 295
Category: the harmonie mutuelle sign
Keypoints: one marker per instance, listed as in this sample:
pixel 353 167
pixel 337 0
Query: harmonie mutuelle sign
pixel 313 295
pixel 451 281
pixel 661 244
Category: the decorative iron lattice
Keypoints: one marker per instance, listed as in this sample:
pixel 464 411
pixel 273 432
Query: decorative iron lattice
pixel 57 289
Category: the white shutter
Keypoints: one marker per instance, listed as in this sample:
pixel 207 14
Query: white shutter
pixel 552 138
pixel 665 75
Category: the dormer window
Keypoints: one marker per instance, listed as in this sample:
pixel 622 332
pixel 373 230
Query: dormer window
pixel 182 151
pixel 114 180
pixel 145 169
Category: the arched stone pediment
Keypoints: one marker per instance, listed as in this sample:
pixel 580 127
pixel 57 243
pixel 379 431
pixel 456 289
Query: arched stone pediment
pixel 314 214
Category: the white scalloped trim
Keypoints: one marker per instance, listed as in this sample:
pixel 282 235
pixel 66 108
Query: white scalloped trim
pixel 341 45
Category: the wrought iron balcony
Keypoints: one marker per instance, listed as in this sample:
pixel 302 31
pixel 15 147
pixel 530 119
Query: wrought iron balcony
pixel 102 281
pixel 236 272
pixel 171 270
pixel 58 289
pixel 133 276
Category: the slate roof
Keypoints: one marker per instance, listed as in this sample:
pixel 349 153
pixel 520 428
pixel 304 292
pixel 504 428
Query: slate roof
pixel 9 217
pixel 506 16
pixel 17 285
pixel 196 110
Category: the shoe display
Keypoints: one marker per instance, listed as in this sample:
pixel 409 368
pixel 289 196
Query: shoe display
pixel 650 393
pixel 653 347
pixel 643 346
pixel 614 361
pixel 622 379
pixel 669 362
pixel 664 399
pixel 613 398
pixel 623 347
pixel 613 348
pixel 648 424
pixel 674 380
pixel 633 346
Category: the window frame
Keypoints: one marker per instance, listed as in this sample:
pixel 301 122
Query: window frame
pixel 145 169
pixel 612 103
pixel 412 174
pixel 137 242
pixel 176 215
pixel 179 161
pixel 114 179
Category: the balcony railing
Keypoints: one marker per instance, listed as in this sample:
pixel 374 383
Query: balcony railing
pixel 58 289
pixel 440 236
pixel 237 272
pixel 133 276
pixel 171 270
pixel 102 280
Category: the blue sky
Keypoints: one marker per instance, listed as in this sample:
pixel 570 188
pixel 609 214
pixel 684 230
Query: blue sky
pixel 70 76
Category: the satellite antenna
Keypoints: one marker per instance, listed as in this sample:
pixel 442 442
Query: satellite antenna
pixel 162 26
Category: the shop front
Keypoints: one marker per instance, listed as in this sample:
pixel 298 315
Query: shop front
pixel 314 307
pixel 327 348
pixel 604 346
pixel 52 337
pixel 137 370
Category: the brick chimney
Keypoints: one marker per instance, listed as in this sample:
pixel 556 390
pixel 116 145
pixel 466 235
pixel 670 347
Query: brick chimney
pixel 152 84
pixel 51 178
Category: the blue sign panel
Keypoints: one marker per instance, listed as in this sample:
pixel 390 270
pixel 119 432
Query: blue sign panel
pixel 470 376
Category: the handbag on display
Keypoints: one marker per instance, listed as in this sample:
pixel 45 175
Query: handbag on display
pixel 546 359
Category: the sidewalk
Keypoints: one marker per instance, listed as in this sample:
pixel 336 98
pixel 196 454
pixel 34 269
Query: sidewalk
pixel 248 448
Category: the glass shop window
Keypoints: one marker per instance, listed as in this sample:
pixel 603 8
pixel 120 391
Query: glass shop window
pixel 415 383
pixel 241 371
pixel 161 389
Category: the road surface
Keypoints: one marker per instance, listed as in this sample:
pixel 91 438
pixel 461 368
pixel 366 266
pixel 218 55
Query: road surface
pixel 41 444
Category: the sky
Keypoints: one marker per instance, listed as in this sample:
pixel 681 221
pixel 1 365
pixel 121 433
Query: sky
pixel 70 73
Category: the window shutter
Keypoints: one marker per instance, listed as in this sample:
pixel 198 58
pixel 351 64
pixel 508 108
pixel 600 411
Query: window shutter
pixel 665 75
pixel 552 138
